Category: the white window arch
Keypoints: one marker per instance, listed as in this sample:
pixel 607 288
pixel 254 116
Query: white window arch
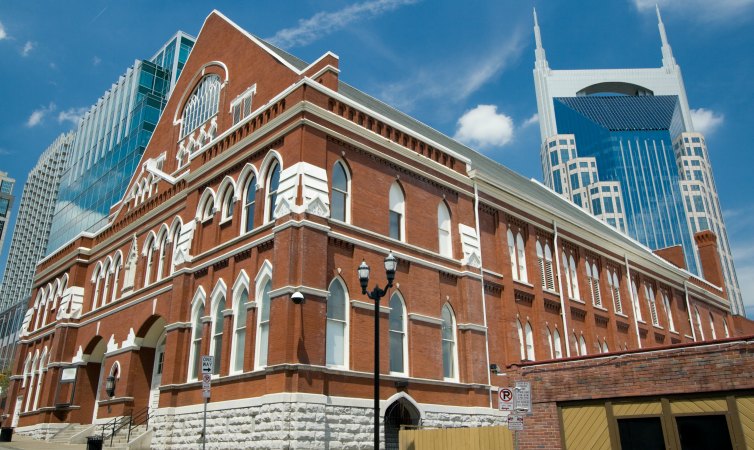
pixel 576 344
pixel 240 304
pixel 272 187
pixel 29 391
pixel 398 340
pixel 699 322
pixel 582 345
pixel 249 203
pixel 340 205
pixel 529 342
pixel 228 202
pixel 106 271
pixel 725 328
pixel 668 311
pixel 556 343
pixel 149 246
pixel 175 238
pixel 649 292
pixel 197 313
pixel 129 275
pixel 550 343
pixel 218 325
pixel 593 279
pixel 712 326
pixel 449 347
pixel 517 254
pixel 202 104
pixel 263 287
pixel 574 277
pixel 117 264
pixel 443 230
pixel 336 340
pixel 27 370
pixel 206 208
pixel 605 348
pixel 397 212
pixel 162 250
pixel 612 280
pixel 635 300
pixel 544 260
pixel 521 341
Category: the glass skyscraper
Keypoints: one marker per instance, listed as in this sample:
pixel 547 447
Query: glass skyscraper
pixel 635 124
pixel 111 139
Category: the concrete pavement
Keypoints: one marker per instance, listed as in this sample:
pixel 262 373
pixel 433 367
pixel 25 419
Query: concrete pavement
pixel 20 442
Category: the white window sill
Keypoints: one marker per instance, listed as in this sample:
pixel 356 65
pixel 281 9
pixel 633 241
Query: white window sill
pixel 523 283
pixel 226 220
pixel 621 315
pixel 601 308
pixel 659 327
pixel 207 219
pixel 578 301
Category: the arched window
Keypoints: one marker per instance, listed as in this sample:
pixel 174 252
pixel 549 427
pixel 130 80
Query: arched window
pixel 27 370
pixel 29 391
pixel 250 195
pixel 668 311
pixel 521 341
pixel 148 250
pixel 574 277
pixel 337 325
pixel 339 205
pixel 263 323
pixel 202 104
pixel 725 328
pixel 443 230
pixel 106 271
pixel 712 326
pixel 544 260
pixel 273 184
pixel 117 263
pixel 635 300
pixel 517 253
pixel 228 203
pixel 217 332
pixel 593 279
pixel 612 280
pixel 649 292
pixel 196 337
pixel 567 275
pixel 449 350
pixel 43 360
pixel 699 322
pixel 240 302
pixel 176 237
pixel 576 344
pixel 582 344
pixel 529 342
pixel 162 253
pixel 398 341
pixel 549 343
pixel 95 297
pixel 556 344
pixel 397 212
pixel 129 277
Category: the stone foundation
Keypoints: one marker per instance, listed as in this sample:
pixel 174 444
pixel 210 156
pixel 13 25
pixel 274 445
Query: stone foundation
pixel 41 431
pixel 294 422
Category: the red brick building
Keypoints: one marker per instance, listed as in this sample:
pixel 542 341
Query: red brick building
pixel 267 176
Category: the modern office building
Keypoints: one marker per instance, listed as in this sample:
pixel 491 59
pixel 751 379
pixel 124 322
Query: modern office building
pixel 29 238
pixel 6 204
pixel 266 183
pixel 630 121
pixel 110 140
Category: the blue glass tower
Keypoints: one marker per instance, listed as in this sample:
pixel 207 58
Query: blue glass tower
pixel 631 139
pixel 111 139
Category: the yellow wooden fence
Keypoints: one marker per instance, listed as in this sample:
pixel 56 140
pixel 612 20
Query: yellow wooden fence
pixel 479 438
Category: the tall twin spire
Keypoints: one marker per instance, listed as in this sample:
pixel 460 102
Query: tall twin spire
pixel 668 61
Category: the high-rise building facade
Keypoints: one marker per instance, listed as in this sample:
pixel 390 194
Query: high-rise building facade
pixel 633 124
pixel 6 204
pixel 29 239
pixel 110 140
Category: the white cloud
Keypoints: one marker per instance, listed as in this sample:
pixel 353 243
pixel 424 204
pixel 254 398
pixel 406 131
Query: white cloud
pixel 3 34
pixel 4 152
pixel 322 23
pixel 72 115
pixel 96 60
pixel 533 120
pixel 37 116
pixel 698 10
pixel 28 47
pixel 484 127
pixel 706 121
pixel 452 82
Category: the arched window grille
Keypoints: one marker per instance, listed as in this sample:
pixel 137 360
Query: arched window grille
pixel 339 205
pixel 202 104
pixel 337 325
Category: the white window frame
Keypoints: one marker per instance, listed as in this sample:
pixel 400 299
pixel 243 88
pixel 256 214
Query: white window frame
pixel 444 236
pixel 197 331
pixel 397 205
pixel 202 105
pixel 344 322
pixel 263 278
pixel 454 374
pixel 241 285
pixel 239 103
pixel 403 332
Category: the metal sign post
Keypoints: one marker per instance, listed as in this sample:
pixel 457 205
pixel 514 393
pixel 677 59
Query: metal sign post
pixel 208 363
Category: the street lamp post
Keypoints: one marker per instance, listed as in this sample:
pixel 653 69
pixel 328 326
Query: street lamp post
pixel 391 263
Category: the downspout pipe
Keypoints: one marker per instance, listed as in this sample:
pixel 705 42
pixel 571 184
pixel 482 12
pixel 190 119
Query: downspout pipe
pixel 484 300
pixel 634 301
pixel 563 314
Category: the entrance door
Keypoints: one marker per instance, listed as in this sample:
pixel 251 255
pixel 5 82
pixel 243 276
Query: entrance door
pixel 99 388
pixel 397 414
pixel 154 392
pixel 17 411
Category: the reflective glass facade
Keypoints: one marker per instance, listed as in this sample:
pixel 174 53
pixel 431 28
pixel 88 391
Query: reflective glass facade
pixel 631 139
pixel 111 139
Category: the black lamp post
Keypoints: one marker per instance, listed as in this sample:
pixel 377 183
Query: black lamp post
pixel 391 263
pixel 110 386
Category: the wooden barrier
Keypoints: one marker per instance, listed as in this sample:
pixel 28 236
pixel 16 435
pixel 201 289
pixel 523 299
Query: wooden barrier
pixel 479 438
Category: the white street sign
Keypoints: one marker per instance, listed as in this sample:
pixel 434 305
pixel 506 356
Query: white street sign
pixel 505 399
pixel 515 422
pixel 207 363
pixel 522 397
pixel 206 380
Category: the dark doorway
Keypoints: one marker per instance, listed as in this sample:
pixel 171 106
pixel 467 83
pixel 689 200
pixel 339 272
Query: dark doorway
pixel 400 412
pixel 703 432
pixel 641 434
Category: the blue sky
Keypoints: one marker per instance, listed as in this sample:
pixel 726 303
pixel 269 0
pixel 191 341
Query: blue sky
pixel 437 61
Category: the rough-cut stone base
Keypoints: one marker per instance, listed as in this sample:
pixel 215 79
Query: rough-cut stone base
pixel 41 431
pixel 293 425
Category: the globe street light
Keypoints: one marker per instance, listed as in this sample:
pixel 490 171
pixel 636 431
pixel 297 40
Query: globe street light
pixel 391 263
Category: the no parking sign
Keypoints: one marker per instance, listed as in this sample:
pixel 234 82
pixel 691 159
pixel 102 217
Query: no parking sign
pixel 505 399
